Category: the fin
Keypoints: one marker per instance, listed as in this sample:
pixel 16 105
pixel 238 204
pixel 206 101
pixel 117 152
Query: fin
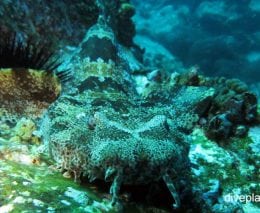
pixel 92 178
pixel 110 172
pixel 115 189
pixel 168 181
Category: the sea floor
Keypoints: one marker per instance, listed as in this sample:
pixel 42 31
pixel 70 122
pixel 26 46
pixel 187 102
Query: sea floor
pixel 30 182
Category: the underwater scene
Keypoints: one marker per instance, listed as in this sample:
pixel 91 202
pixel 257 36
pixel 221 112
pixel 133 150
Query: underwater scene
pixel 130 106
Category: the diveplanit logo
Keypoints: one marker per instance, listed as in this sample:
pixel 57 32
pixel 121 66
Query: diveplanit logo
pixel 252 198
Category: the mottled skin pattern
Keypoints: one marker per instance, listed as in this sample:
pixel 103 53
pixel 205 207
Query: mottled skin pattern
pixel 101 128
pixel 104 130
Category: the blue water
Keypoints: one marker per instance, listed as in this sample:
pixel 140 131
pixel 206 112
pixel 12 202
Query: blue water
pixel 221 37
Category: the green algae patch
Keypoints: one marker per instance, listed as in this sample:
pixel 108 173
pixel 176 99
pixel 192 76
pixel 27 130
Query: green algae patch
pixel 237 144
pixel 29 184
pixel 28 188
pixel 198 137
pixel 258 113
pixel 233 165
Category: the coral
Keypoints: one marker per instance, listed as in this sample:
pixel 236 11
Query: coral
pixel 230 110
pixel 227 166
pixel 234 102
pixel 24 132
pixel 71 19
pixel 254 134
pixel 120 13
pixel 29 78
pixel 27 92
pixel 125 12
pixel 62 22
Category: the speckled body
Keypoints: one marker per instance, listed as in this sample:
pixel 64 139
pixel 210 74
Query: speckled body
pixel 104 130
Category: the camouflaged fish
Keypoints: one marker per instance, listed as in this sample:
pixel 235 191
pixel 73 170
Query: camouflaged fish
pixel 102 129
